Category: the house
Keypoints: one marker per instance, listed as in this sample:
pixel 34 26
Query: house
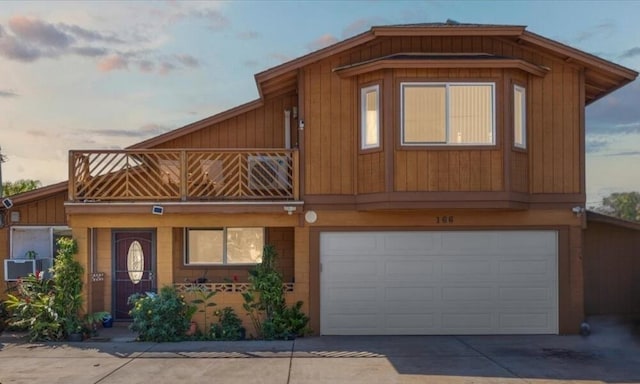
pixel 415 179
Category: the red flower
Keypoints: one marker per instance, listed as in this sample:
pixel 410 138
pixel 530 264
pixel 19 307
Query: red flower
pixel 235 278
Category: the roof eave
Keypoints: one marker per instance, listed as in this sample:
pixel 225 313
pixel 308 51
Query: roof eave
pixel 39 193
pixel 581 56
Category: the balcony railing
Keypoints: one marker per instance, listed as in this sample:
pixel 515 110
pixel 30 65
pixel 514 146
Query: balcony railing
pixel 183 175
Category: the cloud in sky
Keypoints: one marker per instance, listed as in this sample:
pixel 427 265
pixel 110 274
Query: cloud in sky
pixel 188 60
pixel 362 25
pixel 8 93
pixel 112 63
pixel 322 41
pixel 30 39
pixel 248 35
pixel 601 30
pixel 596 144
pixel 629 53
pixel 145 131
pixel 625 153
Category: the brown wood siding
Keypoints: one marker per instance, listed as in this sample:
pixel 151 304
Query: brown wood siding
pixel 330 121
pixel 611 269
pixel 552 163
pixel 371 172
pixel 262 127
pixel 519 171
pixel 280 238
pixel 554 130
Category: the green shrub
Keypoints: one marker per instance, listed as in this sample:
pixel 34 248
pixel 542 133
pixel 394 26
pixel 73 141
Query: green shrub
pixel 49 309
pixel 34 308
pixel 229 326
pixel 265 302
pixel 162 317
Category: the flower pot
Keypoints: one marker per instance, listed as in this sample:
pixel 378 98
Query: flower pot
pixel 107 322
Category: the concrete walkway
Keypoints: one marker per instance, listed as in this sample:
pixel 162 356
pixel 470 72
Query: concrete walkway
pixel 610 354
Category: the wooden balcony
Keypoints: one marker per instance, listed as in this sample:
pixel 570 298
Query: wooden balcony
pixel 183 175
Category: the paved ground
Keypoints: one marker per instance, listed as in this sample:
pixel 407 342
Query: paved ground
pixel 610 354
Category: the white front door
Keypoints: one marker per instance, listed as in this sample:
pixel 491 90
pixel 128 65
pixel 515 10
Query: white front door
pixel 428 282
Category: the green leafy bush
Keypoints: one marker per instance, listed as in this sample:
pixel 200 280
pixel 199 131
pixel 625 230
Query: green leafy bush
pixel 229 326
pixel 49 308
pixel 34 308
pixel 162 317
pixel 265 303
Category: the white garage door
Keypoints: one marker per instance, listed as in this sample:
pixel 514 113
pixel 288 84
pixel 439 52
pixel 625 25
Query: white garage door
pixel 428 283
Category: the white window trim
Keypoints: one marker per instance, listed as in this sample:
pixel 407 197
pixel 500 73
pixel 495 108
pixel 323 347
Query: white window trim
pixel 447 133
pixel 363 115
pixel 523 107
pixel 51 229
pixel 224 262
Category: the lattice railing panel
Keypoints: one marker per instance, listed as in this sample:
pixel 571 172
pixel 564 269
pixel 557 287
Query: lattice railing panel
pixel 222 287
pixel 182 175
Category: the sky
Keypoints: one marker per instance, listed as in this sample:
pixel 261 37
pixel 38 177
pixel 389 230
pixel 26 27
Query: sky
pixel 108 74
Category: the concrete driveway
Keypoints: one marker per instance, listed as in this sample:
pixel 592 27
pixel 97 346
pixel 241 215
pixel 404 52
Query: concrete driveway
pixel 610 354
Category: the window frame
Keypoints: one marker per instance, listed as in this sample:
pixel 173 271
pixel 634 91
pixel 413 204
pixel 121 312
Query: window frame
pixel 224 262
pixel 363 120
pixel 447 85
pixel 523 119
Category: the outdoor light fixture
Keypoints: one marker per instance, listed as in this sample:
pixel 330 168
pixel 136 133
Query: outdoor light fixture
pixel 578 210
pixel 7 203
pixel 157 210
pixel 289 209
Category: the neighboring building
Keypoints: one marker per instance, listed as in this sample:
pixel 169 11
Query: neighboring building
pixel 611 266
pixel 415 179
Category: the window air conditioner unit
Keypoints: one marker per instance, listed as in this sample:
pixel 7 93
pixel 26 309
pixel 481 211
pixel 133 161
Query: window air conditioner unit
pixel 268 172
pixel 15 269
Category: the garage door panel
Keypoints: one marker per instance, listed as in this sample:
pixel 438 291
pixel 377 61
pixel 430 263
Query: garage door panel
pixel 409 294
pixel 466 267
pixel 525 267
pixel 403 278
pixel 353 294
pixel 467 293
pixel 454 242
pixel 408 268
pixel 528 294
pixel 537 241
pixel 523 322
pixel 409 244
pixel 409 322
pixel 352 243
pixel 467 321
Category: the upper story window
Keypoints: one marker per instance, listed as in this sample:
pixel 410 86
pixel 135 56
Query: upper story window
pixel 519 117
pixel 448 113
pixel 370 120
pixel 224 246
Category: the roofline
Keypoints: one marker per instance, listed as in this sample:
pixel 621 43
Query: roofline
pixel 577 54
pixel 185 130
pixel 377 31
pixel 39 193
pixel 516 31
pixel 606 219
pixel 449 30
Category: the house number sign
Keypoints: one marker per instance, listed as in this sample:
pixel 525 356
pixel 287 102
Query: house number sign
pixel 135 262
pixel 444 219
